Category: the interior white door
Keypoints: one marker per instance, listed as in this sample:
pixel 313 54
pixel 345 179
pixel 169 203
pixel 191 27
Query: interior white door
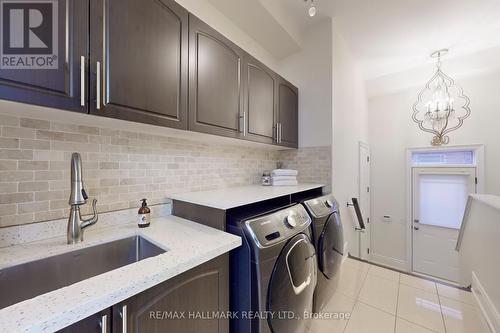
pixel 364 199
pixel 439 199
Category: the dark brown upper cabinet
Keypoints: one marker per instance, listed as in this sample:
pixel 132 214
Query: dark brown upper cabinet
pixel 288 114
pixel 149 61
pixel 140 61
pixel 62 54
pixel 215 85
pixel 260 98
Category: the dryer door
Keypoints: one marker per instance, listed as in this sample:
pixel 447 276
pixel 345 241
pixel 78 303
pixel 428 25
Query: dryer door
pixel 291 287
pixel 330 246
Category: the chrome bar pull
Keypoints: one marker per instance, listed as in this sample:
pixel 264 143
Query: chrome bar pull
pixel 104 54
pixel 104 324
pixel 123 314
pixel 244 123
pixel 82 81
pixel 98 85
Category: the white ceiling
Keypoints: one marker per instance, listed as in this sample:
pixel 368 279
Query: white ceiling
pixel 385 36
pixel 458 68
pixel 390 36
pixel 273 32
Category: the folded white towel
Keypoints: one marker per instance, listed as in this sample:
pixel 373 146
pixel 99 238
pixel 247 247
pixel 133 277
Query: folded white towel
pixel 284 172
pixel 284 177
pixel 284 182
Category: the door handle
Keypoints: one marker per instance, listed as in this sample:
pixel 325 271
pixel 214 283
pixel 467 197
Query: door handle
pixel 104 324
pixel 416 221
pixel 123 314
pixel 98 85
pixel 416 228
pixel 82 81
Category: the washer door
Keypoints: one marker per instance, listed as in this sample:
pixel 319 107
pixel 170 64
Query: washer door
pixel 330 246
pixel 291 286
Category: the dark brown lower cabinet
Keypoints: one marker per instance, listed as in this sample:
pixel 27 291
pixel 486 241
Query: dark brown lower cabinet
pixel 92 324
pixel 186 303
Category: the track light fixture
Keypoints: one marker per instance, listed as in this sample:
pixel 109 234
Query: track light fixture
pixel 312 8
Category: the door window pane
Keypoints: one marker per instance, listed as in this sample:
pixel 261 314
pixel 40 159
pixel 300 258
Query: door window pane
pixel 443 199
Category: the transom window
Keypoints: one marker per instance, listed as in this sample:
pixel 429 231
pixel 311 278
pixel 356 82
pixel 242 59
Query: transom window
pixel 450 157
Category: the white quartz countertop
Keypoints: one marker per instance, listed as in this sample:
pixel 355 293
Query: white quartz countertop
pixel 188 245
pixel 488 199
pixel 239 196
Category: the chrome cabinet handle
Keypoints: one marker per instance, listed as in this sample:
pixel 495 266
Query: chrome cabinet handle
pixel 123 314
pixel 279 132
pixel 276 132
pixel 104 324
pixel 244 123
pixel 82 81
pixel 244 118
pixel 104 54
pixel 98 85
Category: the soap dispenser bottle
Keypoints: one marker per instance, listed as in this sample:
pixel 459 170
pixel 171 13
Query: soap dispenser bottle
pixel 144 215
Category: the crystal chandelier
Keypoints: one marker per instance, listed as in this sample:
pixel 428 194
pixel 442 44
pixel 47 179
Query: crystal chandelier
pixel 434 111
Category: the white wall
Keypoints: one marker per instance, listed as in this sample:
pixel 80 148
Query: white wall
pixel 350 126
pixel 392 132
pixel 311 71
pixel 213 17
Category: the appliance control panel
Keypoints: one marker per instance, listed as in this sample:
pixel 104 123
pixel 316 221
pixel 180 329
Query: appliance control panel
pixel 322 206
pixel 278 226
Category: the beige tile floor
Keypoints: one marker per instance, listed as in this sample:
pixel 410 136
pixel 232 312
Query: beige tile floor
pixel 380 300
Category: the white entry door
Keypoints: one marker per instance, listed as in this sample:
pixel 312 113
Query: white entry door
pixel 439 199
pixel 364 200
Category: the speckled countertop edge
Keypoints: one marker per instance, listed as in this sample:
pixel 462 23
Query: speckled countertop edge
pixel 232 197
pixel 188 245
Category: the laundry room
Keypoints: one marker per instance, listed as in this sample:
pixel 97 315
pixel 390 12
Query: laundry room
pixel 249 166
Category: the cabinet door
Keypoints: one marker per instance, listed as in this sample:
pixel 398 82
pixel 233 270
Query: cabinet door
pixel 215 87
pixel 140 61
pixel 260 102
pixel 177 304
pixel 288 110
pixel 92 324
pixel 43 65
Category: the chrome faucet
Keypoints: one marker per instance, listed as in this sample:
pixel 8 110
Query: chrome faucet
pixel 78 197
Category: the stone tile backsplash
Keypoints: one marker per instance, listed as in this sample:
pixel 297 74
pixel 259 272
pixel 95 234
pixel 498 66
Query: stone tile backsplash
pixel 121 167
pixel 314 164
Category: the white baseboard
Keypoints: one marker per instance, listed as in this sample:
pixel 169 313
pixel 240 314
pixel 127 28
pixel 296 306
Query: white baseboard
pixel 389 261
pixel 488 309
pixel 346 251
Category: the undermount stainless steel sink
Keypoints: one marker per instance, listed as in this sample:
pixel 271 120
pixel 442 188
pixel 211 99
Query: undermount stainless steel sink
pixel 25 281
